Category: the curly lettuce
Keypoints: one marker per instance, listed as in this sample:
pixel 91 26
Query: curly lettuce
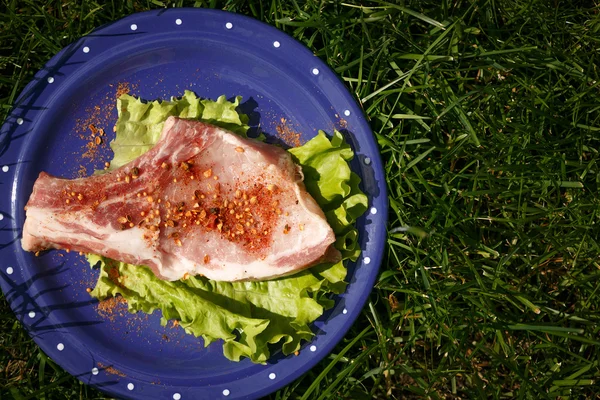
pixel 247 316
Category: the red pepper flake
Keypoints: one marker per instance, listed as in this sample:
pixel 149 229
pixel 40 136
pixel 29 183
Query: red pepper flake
pixel 111 370
pixel 112 308
pixel 289 136
pixel 91 128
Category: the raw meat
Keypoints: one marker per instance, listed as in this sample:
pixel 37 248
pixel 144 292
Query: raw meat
pixel 201 201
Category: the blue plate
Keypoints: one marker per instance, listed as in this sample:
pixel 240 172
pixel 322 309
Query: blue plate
pixel 159 54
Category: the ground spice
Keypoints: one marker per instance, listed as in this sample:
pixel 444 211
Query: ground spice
pixel 111 370
pixel 93 128
pixel 82 171
pixel 112 307
pixel 123 88
pixel 287 134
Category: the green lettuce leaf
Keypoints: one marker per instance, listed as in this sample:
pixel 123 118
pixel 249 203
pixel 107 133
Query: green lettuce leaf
pixel 247 316
pixel 329 179
pixel 140 123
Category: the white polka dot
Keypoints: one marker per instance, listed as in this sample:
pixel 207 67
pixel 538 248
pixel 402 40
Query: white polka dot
pixel 133 27
pixel 367 260
pixel 86 49
pixel 272 375
pixel 367 160
pixel 313 348
pixel 373 210
pixel 178 21
pixel 176 396
pixel 50 79
pixel 228 25
pixel 276 44
pixel 226 391
pixel 130 386
pixel 10 270
pixel 20 121
pixel 315 71
pixel 60 347
pixel 344 311
pixel 1 217
pixel 347 113
pixel 95 371
pixel 5 168
pixel 31 314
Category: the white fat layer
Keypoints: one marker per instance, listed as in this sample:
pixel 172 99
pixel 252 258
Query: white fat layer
pixel 220 270
pixel 46 224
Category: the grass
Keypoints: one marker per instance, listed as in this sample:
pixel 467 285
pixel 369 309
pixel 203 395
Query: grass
pixel 487 116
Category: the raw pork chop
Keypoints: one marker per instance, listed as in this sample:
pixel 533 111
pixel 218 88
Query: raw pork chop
pixel 201 201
